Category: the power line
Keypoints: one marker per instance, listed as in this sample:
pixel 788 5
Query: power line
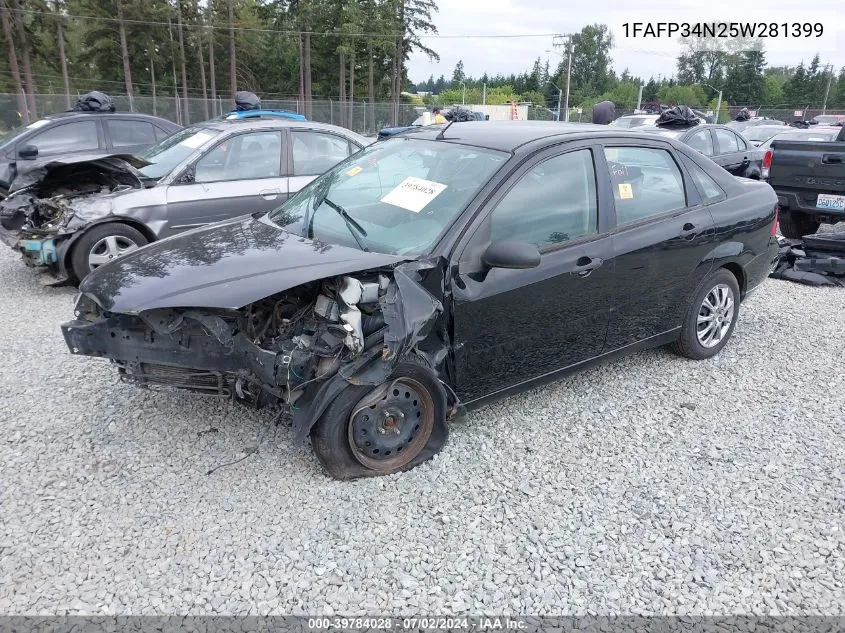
pixel 243 29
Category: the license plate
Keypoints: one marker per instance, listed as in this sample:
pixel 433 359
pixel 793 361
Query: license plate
pixel 826 201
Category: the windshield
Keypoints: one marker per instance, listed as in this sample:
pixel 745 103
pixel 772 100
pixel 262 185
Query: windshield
pixel 171 151
pixel 404 193
pixel 8 136
pixel 631 121
pixel 761 133
pixel 826 119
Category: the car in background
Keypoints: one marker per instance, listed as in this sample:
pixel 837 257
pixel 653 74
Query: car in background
pixel 634 120
pixel 75 133
pixel 425 273
pixel 420 122
pixel 236 115
pixel 828 119
pixel 720 144
pixel 821 133
pixel 759 134
pixel 808 176
pixel 752 122
pixel 77 216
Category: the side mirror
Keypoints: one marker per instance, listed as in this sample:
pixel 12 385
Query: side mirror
pixel 28 152
pixel 511 254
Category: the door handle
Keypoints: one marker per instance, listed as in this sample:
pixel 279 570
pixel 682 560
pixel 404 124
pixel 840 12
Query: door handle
pixel 585 265
pixel 830 159
pixel 687 229
pixel 269 194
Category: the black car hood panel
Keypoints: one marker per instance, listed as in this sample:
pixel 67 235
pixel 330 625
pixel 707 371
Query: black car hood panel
pixel 226 265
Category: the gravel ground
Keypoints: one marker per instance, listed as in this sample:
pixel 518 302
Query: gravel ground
pixel 649 485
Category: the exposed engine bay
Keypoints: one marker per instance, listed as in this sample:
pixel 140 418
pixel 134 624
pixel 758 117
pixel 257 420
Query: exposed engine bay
pixel 47 204
pixel 299 347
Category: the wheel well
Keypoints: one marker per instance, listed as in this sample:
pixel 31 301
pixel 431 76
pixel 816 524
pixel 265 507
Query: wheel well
pixel 138 226
pixel 736 271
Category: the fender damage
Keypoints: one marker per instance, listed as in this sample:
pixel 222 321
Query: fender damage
pixel 56 199
pixel 300 347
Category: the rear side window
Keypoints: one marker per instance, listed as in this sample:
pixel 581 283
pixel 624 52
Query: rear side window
pixel 646 182
pixel 707 187
pixel 125 133
pixel 315 153
pixel 552 203
pixel 70 137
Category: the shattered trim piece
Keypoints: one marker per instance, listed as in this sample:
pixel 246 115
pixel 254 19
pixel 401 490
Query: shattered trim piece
pixel 815 260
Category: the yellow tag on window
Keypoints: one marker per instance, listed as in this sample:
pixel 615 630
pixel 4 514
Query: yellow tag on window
pixel 625 191
pixel 354 171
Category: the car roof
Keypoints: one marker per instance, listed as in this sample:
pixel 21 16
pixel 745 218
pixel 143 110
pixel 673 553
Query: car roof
pixel 275 123
pixel 76 114
pixel 505 136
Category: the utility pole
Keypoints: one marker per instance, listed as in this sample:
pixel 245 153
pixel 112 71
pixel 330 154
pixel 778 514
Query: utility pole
pixel 640 97
pixel 557 42
pixel 153 76
pixel 829 68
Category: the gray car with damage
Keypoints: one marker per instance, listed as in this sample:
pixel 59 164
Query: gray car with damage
pixel 76 214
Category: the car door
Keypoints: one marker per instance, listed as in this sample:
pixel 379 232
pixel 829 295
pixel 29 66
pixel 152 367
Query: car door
pixel 73 137
pixel 314 152
pixel 731 151
pixel 129 136
pixel 239 174
pixel 661 238
pixel 514 325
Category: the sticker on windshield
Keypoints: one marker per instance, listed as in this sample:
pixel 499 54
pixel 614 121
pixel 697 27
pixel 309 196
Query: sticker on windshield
pixel 196 140
pixel 414 193
pixel 625 191
pixel 354 171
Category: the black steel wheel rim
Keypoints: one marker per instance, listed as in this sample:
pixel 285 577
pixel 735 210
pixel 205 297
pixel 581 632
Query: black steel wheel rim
pixel 387 432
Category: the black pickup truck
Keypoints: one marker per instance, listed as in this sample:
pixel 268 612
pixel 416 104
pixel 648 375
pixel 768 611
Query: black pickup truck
pixel 809 179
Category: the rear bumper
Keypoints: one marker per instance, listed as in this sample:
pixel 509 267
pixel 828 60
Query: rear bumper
pixel 805 202
pixel 758 269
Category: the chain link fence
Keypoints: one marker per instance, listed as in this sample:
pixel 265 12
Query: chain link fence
pixel 360 116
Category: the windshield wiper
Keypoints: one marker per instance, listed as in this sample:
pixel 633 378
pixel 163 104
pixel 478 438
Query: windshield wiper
pixel 351 224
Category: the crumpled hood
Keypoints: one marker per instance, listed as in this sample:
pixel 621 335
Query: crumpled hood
pixel 31 173
pixel 225 265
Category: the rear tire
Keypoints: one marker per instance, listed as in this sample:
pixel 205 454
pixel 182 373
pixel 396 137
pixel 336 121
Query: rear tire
pixel 711 317
pixel 103 243
pixel 797 225
pixel 371 431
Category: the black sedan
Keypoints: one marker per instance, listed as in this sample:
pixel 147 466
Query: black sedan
pixel 434 271
pixel 721 144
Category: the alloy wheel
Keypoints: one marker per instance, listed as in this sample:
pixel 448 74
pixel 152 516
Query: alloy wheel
pixel 715 316
pixel 109 248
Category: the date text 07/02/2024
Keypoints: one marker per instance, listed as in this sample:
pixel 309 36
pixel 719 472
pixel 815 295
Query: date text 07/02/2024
pixel 485 623
pixel 723 29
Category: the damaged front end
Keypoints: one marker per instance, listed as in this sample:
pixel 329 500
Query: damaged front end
pixel 301 347
pixel 50 203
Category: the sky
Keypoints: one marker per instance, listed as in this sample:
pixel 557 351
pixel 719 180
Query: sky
pixel 539 19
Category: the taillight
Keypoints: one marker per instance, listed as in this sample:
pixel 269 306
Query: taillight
pixel 767 159
pixel 775 223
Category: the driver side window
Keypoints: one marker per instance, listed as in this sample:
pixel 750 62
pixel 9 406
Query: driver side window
pixel 552 203
pixel 242 157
